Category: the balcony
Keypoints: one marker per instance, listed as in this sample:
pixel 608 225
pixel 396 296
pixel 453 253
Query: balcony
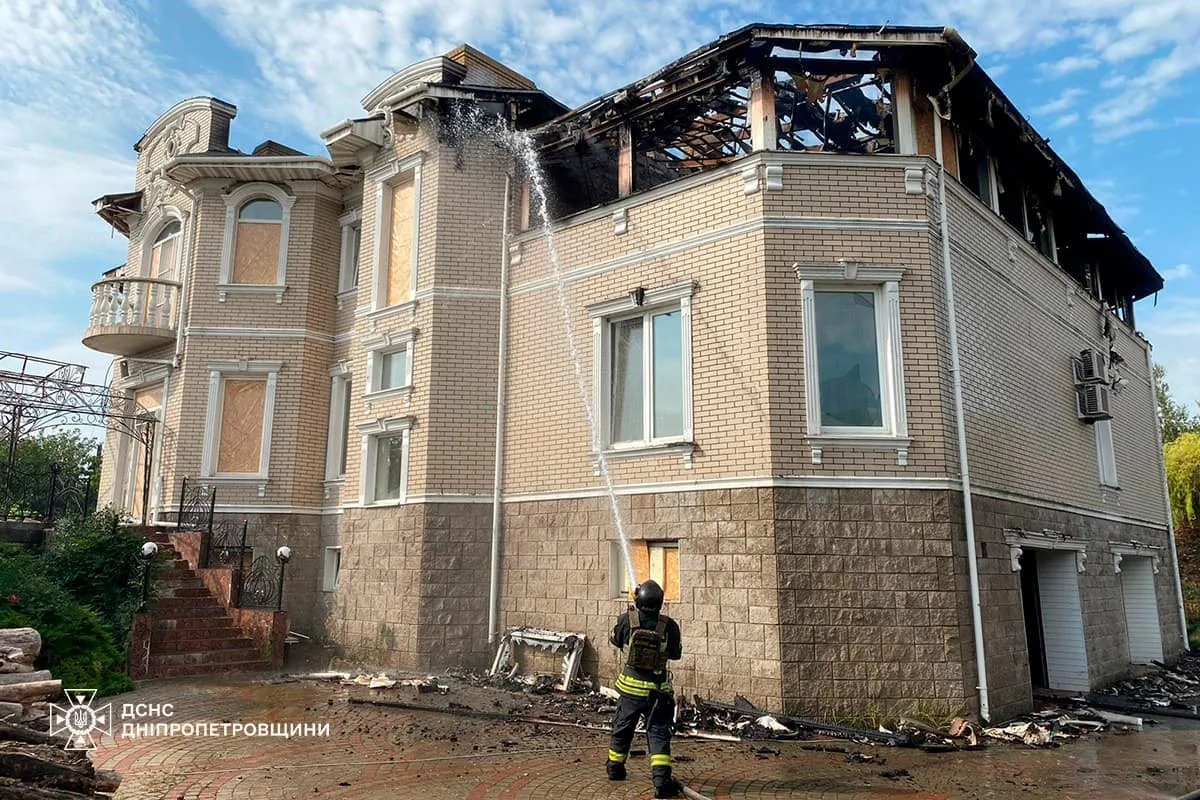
pixel 132 315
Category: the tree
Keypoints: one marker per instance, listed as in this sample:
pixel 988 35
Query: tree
pixel 25 488
pixel 1182 456
pixel 1174 415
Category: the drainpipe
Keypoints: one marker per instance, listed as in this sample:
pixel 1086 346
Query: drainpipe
pixel 1167 497
pixel 960 420
pixel 501 370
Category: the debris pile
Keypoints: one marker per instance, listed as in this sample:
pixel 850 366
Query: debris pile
pixel 1052 727
pixel 35 766
pixel 1166 691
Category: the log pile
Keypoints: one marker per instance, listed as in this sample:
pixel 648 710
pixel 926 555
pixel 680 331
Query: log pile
pixel 23 689
pixel 34 764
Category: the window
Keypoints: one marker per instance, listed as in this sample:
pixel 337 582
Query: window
pixel 385 460
pixel 351 250
pixel 652 560
pixel 975 169
pixel 1105 455
pixel 389 362
pixel 853 366
pixel 164 254
pixel 240 410
pixel 643 353
pixel 339 425
pixel 393 369
pixel 156 299
pixel 256 243
pixel 254 257
pixel 333 568
pixel 397 200
pixel 848 358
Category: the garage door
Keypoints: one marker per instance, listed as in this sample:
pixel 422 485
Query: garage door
pixel 1141 610
pixel 1062 621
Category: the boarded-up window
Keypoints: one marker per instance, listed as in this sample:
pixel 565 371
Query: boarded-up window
pixel 240 447
pixel 657 561
pixel 400 266
pixel 256 243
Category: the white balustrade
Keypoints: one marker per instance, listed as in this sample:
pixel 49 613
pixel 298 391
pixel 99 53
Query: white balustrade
pixel 142 302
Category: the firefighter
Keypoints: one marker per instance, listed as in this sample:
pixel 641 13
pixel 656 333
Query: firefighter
pixel 649 639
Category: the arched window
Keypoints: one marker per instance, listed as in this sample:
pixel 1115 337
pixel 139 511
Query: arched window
pixel 254 254
pixel 164 253
pixel 257 242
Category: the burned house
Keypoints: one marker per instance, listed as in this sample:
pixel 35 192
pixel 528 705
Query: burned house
pixel 851 347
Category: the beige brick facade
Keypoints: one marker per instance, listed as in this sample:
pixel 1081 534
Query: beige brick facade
pixel 815 577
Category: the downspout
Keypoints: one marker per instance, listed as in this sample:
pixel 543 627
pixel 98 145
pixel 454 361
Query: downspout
pixel 1167 498
pixel 502 364
pixel 960 420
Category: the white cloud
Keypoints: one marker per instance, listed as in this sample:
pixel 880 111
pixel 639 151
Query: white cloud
pixel 1173 328
pixel 1066 120
pixel 1145 45
pixel 1176 272
pixel 1069 64
pixel 1061 103
pixel 318 62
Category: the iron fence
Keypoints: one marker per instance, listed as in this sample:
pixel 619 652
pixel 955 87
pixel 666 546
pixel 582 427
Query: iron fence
pixel 45 494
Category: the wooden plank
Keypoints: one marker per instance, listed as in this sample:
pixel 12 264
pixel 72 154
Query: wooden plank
pixel 625 161
pixel 763 131
pixel 671 573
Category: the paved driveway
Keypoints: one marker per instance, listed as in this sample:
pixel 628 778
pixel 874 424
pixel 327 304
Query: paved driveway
pixel 402 755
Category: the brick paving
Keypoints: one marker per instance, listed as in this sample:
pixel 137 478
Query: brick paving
pixel 386 753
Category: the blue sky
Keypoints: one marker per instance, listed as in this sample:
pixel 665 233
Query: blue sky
pixel 1113 83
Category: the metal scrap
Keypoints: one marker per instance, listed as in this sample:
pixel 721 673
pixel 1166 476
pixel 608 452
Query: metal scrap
pixel 572 643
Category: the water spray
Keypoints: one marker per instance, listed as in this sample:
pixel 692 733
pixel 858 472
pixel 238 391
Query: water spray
pixel 520 145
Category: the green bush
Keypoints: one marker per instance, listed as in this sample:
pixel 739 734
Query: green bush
pixel 99 564
pixel 76 645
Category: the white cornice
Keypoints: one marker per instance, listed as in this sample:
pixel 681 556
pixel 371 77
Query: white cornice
pixel 431 70
pixel 183 107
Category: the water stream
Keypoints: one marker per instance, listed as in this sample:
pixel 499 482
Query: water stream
pixel 519 144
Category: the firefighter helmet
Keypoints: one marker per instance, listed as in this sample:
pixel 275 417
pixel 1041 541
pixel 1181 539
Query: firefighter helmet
pixel 649 597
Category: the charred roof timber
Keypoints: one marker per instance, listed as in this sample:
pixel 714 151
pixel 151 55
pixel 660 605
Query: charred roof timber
pixel 833 88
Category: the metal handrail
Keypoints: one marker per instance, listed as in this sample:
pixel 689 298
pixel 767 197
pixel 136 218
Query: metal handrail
pixel 147 302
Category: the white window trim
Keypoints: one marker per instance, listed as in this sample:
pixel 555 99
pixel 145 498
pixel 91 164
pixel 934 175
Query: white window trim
pixel 1106 457
pixel 328 585
pixel 1122 550
pixel 1019 540
pixel 603 315
pixel 233 202
pixel 339 377
pixel 347 264
pixel 218 371
pixel 385 344
pixel 385 178
pixel 372 432
pixel 885 282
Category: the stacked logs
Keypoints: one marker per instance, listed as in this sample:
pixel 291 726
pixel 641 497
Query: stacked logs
pixel 34 764
pixel 23 689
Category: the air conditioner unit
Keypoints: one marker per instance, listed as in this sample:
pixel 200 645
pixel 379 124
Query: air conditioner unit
pixel 1091 367
pixel 1092 401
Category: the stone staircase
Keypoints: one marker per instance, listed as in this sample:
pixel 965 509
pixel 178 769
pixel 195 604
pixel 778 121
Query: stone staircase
pixel 192 632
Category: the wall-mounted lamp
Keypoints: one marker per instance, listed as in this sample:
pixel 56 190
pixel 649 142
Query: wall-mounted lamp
pixel 638 296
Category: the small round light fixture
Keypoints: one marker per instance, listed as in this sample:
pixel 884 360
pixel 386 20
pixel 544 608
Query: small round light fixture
pixel 284 554
pixel 149 550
